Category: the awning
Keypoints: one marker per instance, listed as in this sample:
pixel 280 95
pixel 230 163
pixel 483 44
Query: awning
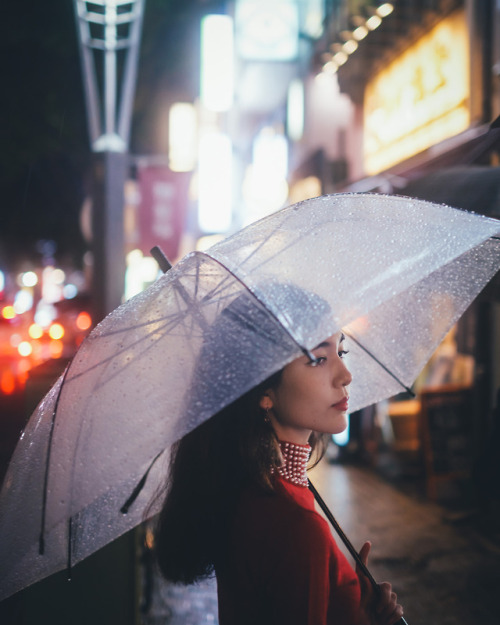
pixel 475 188
pixel 449 172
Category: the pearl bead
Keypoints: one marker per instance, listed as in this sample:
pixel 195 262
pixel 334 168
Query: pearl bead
pixel 295 459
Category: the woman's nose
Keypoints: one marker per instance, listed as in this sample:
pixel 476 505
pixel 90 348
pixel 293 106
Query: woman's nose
pixel 343 376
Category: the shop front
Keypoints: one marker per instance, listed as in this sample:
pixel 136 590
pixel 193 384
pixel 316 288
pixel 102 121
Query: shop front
pixel 427 101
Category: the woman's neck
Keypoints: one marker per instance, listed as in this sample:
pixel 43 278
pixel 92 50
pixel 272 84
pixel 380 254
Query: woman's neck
pixel 293 469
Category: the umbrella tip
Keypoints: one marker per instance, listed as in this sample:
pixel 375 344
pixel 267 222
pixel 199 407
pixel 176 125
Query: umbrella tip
pixel 158 254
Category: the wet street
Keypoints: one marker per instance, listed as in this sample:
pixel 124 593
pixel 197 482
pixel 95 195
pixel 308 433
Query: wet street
pixel 443 562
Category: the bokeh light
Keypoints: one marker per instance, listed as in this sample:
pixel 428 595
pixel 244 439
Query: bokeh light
pixel 83 321
pixel 56 331
pixel 35 331
pixel 8 312
pixel 29 279
pixel 56 348
pixel 25 348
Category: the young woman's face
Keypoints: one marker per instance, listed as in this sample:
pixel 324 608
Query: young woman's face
pixel 311 397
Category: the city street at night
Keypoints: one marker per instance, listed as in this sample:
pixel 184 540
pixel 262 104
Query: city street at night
pixel 443 562
pixel 230 232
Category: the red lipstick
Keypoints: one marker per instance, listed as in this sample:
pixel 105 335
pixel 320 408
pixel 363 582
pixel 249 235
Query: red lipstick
pixel 342 405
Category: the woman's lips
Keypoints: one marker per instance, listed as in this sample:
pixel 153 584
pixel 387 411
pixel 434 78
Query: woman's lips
pixel 343 404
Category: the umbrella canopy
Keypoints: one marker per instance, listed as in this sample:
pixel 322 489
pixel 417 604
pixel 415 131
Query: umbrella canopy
pixel 395 273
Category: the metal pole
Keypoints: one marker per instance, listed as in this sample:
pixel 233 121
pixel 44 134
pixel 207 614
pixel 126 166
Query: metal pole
pixel 88 73
pixel 110 68
pixel 108 284
pixel 130 75
pixel 98 23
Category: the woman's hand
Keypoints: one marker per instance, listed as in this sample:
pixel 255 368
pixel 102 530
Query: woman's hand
pixel 379 608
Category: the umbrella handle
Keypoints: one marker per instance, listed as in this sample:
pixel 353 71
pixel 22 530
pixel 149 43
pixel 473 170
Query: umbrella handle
pixel 361 565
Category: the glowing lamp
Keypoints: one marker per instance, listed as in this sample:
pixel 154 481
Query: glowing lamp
pixel 340 58
pixel 217 54
pixel 182 134
pixel 214 182
pixel 384 9
pixel 373 22
pixel 360 33
pixel 295 110
pixel 350 46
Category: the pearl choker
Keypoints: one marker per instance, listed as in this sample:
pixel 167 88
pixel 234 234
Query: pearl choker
pixel 294 466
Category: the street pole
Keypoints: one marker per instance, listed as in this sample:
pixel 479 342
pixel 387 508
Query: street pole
pixel 109 33
pixel 108 276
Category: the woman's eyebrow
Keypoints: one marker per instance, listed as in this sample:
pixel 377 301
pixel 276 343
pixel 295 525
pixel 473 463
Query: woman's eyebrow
pixel 323 344
pixel 328 344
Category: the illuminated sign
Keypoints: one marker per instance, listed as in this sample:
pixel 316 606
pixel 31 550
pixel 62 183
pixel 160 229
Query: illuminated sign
pixel 420 99
pixel 267 31
pixel 216 63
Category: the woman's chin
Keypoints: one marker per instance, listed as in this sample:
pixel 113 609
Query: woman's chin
pixel 340 425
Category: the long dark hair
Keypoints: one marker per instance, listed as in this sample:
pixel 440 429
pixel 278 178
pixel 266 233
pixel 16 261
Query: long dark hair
pixel 237 446
pixel 210 467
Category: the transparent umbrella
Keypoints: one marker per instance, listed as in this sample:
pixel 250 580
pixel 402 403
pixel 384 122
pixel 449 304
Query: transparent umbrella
pixel 394 273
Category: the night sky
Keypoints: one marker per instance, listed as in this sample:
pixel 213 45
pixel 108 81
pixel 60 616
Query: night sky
pixel 45 160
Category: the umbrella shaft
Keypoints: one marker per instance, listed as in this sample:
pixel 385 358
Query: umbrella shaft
pixel 361 565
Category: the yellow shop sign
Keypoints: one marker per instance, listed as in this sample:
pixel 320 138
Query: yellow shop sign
pixel 419 99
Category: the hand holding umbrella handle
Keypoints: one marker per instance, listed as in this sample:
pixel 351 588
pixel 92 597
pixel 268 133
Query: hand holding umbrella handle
pixel 362 566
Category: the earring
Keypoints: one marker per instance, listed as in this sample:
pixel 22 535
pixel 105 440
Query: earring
pixel 267 418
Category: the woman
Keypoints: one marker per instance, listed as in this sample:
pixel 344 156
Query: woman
pixel 238 501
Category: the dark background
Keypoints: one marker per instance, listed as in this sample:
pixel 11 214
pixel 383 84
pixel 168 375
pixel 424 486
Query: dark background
pixel 45 155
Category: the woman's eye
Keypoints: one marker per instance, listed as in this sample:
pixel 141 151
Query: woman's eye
pixel 318 361
pixel 343 352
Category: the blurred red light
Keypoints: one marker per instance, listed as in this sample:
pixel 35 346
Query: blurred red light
pixel 7 382
pixel 83 321
pixel 56 348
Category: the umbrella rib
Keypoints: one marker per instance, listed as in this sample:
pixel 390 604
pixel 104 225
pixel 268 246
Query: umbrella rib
pixel 304 232
pixel 264 241
pixel 168 321
pixel 139 486
pixel 303 349
pixel 41 538
pixel 381 364
pixel 69 565
pixel 288 246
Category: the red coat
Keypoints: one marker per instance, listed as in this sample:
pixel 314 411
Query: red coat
pixel 284 566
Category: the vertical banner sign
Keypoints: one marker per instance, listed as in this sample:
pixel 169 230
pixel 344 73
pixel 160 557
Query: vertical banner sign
pixel 163 208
